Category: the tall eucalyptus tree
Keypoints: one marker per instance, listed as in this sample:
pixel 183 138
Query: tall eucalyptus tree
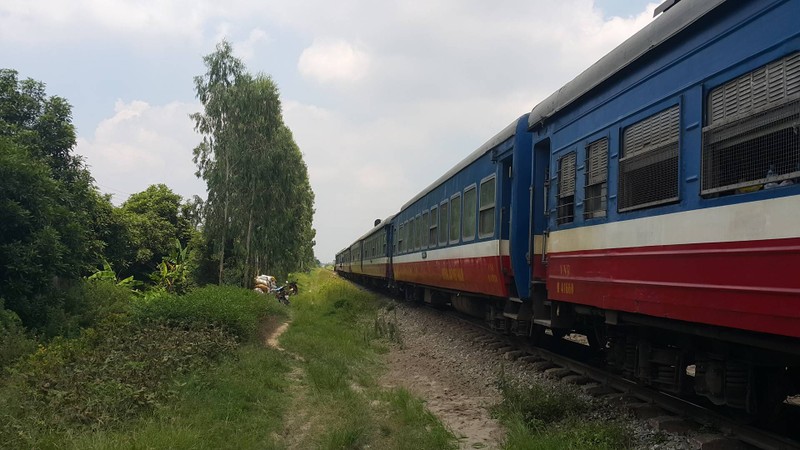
pixel 215 156
pixel 260 203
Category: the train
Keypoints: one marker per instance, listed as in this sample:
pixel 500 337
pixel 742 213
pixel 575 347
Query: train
pixel 651 204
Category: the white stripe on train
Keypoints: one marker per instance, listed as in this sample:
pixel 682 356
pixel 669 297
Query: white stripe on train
pixel 776 218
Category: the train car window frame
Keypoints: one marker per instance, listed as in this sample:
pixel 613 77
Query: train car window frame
pixel 433 232
pixel 649 161
pixel 750 139
pixel 567 179
pixel 468 234
pixel 417 229
pixel 426 223
pixel 595 197
pixel 444 217
pixel 412 235
pixel 455 218
pixel 401 242
pixel 487 209
pixel 394 239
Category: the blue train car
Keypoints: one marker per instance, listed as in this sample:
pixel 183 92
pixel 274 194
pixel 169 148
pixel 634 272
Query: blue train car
pixel 673 201
pixel 371 255
pixel 453 240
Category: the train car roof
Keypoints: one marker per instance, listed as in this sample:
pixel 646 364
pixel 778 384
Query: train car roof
pixel 496 140
pixel 667 25
pixel 375 229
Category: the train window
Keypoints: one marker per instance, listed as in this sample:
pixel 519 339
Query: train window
pixel 443 216
pixel 596 193
pixel 406 237
pixel 394 239
pixel 750 140
pixel 455 218
pixel 421 220
pixel 422 226
pixel 470 213
pixel 412 235
pixel 648 163
pixel 487 202
pixel 432 233
pixel 566 188
pixel 407 244
pixel 417 221
pixel 424 231
pixel 401 242
pixel 417 229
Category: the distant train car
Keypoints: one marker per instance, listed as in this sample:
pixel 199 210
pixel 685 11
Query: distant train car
pixel 673 214
pixel 371 255
pixel 452 242
pixel 343 261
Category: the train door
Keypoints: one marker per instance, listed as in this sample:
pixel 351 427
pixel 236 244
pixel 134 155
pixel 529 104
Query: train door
pixel 504 182
pixel 540 188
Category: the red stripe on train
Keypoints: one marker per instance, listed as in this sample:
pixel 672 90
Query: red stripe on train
pixel 485 275
pixel 752 285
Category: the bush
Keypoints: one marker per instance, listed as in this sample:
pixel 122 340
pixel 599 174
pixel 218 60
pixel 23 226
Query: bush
pixel 103 377
pixel 14 342
pixel 235 309
pixel 85 304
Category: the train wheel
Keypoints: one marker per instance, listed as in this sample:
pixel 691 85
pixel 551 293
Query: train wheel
pixel 767 394
pixel 537 334
pixel 598 339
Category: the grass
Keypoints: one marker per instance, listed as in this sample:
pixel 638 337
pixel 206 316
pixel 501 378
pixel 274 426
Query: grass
pixel 339 332
pixel 236 405
pixel 554 417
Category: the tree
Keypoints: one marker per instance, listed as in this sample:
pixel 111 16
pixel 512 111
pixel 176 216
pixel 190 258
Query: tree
pixel 49 233
pixel 254 172
pixel 153 221
pixel 215 155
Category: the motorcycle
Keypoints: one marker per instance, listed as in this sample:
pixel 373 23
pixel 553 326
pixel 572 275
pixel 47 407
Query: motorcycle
pixel 281 294
pixel 291 287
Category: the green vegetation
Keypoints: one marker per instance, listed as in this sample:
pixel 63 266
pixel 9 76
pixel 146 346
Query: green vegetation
pixel 554 417
pixel 192 371
pixel 237 311
pixel 134 364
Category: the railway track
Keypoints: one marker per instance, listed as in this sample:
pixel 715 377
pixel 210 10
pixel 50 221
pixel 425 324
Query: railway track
pixel 664 411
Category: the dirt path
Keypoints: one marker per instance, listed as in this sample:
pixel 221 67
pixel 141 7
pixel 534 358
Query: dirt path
pixel 271 330
pixel 433 366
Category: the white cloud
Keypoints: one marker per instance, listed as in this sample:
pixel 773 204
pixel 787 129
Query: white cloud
pixel 43 21
pixel 333 60
pixel 246 50
pixel 140 145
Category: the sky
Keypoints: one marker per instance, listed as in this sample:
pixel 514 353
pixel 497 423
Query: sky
pixel 382 97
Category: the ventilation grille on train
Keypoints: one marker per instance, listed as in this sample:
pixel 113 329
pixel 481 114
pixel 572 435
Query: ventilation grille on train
pixel 751 140
pixel 649 161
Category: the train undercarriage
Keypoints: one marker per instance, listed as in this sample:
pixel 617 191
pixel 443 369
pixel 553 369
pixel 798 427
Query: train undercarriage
pixel 745 371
